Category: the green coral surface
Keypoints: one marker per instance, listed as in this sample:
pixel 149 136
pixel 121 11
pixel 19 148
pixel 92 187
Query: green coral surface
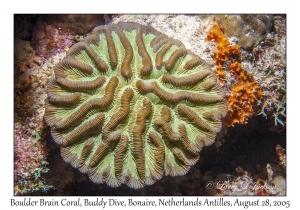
pixel 129 105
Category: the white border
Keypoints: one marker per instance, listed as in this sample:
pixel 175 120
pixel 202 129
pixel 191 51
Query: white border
pixel 9 8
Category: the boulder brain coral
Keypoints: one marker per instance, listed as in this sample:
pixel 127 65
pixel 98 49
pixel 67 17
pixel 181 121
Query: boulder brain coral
pixel 129 104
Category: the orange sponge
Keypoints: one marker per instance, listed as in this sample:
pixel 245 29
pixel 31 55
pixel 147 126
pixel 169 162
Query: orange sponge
pixel 243 98
pixel 246 92
pixel 224 49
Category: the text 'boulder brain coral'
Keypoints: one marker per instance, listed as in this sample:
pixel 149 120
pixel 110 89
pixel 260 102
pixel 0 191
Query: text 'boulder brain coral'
pixel 129 105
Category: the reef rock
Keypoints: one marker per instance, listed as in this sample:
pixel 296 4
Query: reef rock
pixel 52 33
pixel 249 29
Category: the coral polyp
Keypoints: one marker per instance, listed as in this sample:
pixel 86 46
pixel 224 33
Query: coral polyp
pixel 129 105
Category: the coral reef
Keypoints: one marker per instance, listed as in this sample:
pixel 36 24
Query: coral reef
pixel 267 64
pixel 24 56
pixel 247 146
pixel 52 33
pixel 29 159
pixel 75 24
pixel 191 30
pixel 48 40
pixel 245 94
pixel 129 104
pixel 29 94
pixel 249 29
pixel 32 75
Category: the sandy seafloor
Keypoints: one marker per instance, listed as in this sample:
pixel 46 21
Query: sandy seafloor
pixel 248 147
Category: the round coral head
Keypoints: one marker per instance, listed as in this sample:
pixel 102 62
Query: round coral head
pixel 129 105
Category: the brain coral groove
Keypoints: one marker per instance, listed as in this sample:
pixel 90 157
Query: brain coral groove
pixel 129 105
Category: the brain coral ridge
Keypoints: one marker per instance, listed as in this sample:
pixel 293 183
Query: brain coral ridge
pixel 129 105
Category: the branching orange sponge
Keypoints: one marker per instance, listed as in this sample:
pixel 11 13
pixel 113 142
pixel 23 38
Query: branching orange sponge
pixel 246 92
pixel 243 98
pixel 129 105
pixel 224 49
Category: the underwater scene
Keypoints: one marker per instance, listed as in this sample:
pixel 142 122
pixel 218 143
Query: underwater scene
pixel 150 105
